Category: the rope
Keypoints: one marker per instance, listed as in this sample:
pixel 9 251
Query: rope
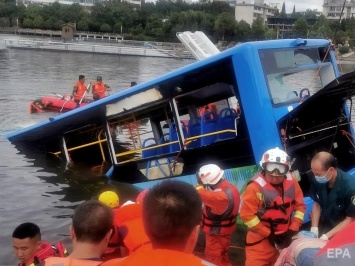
pixel 347 134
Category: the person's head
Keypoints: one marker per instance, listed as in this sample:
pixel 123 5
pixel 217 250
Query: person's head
pixel 26 240
pixel 141 196
pixel 275 164
pixel 82 78
pixel 92 224
pixel 210 175
pixel 99 79
pixel 133 83
pixel 171 215
pixel 324 167
pixel 109 198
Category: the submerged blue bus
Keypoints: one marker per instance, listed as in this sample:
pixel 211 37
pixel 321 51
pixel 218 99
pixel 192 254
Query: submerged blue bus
pixel 227 109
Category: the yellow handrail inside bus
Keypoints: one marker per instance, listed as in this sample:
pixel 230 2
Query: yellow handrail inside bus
pixel 82 146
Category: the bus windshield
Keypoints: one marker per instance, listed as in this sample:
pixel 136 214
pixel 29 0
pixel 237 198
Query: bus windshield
pixel 292 74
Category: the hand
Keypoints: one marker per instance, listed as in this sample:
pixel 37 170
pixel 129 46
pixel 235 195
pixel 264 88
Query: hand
pixel 315 231
pixel 324 237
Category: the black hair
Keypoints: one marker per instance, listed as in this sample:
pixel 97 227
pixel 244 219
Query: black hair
pixel 81 77
pixel 92 220
pixel 133 83
pixel 171 211
pixel 27 230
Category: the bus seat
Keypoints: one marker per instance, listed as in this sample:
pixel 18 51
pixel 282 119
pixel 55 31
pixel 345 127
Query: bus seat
pixel 165 139
pixel 227 118
pixel 149 143
pixel 209 124
pixel 173 136
pixel 194 128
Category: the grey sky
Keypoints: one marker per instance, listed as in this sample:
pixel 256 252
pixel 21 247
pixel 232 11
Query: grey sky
pixel 301 5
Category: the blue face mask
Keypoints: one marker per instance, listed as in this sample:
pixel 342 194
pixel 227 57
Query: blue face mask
pixel 322 179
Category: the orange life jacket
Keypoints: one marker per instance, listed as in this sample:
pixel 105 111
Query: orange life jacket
pixel 226 222
pixel 46 250
pixel 129 221
pixel 113 247
pixel 99 90
pixel 276 212
pixel 154 257
pixel 81 88
pixel 53 261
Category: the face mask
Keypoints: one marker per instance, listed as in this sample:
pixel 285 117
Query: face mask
pixel 322 179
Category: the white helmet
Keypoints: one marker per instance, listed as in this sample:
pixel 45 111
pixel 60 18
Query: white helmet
pixel 275 156
pixel 210 174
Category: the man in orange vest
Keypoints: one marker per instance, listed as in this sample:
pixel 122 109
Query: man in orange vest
pixel 30 249
pixel 90 233
pixel 79 89
pixel 171 216
pixel 221 205
pixel 269 201
pixel 99 89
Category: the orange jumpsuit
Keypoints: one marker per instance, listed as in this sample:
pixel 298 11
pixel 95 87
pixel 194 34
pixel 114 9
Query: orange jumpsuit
pixel 260 251
pixel 219 204
pixel 99 90
pixel 79 90
pixel 129 221
pixel 154 257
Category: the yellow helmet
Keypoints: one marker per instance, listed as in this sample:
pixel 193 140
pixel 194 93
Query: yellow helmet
pixel 109 198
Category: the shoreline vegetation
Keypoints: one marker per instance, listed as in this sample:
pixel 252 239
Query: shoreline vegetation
pixel 160 21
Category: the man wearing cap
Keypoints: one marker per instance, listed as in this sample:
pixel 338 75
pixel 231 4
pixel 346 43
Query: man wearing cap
pixel 221 205
pixel 270 199
pixel 99 89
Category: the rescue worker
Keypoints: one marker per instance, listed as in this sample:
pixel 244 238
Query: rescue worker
pixel 171 215
pixel 129 222
pixel 114 248
pixel 79 89
pixel 221 206
pixel 99 89
pixel 268 203
pixel 333 192
pixel 90 233
pixel 30 249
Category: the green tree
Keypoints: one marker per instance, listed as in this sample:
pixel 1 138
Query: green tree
pixel 9 10
pixel 105 28
pixel 311 13
pixel 294 11
pixel 321 29
pixel 38 22
pixel 301 27
pixel 283 11
pixel 258 29
pixel 242 31
pixel 224 25
pixel 27 23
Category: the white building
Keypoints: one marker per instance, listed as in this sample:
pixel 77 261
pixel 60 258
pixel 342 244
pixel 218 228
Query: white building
pixel 332 9
pixel 250 10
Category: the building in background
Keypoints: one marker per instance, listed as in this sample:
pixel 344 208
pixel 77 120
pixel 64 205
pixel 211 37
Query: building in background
pixel 250 10
pixel 332 9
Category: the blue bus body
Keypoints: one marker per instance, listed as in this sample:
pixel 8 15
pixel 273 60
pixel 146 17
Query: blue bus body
pixel 227 109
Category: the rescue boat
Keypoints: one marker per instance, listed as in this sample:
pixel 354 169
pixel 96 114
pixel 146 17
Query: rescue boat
pixel 58 103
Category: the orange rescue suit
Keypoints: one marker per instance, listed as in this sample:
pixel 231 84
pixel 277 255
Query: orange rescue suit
pixel 263 202
pixel 220 211
pixel 99 90
pixel 53 261
pixel 154 257
pixel 79 91
pixel 129 221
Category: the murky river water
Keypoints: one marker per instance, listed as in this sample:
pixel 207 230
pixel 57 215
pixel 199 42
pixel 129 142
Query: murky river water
pixel 31 189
